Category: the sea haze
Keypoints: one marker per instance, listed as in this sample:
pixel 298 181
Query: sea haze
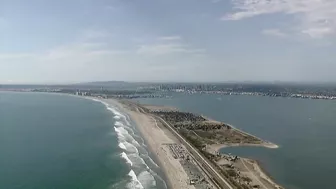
pixel 63 142
pixel 304 129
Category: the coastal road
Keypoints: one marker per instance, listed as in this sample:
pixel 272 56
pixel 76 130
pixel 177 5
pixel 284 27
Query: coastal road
pixel 221 181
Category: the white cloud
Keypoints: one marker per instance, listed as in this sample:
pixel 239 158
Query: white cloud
pixel 74 53
pixel 169 48
pixel 170 38
pixel 168 45
pixel 94 35
pixel 317 18
pixel 274 32
pixel 91 60
pixel 13 56
pixel 318 32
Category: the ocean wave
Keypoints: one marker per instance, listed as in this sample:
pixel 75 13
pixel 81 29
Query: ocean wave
pixel 122 146
pixel 146 156
pixel 146 179
pixel 129 145
pixel 123 135
pixel 97 100
pixel 131 148
pixel 127 122
pixel 124 155
pixel 135 183
pixel 116 112
pixel 117 117
pixel 120 133
pixel 138 161
pixel 159 178
pixel 119 124
pixel 135 143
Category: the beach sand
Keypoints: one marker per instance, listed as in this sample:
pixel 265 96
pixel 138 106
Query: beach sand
pixel 155 138
pixel 258 175
pixel 248 167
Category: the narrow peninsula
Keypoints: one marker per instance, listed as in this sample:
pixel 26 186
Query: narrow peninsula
pixel 187 148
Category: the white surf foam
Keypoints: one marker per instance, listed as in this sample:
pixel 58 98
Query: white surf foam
pixel 124 135
pixel 116 112
pixel 122 146
pixel 119 115
pixel 127 122
pixel 146 179
pixel 131 148
pixel 135 143
pixel 120 134
pixel 135 183
pixel 97 100
pixel 138 161
pixel 123 132
pixel 119 124
pixel 159 178
pixel 150 159
pixel 126 141
pixel 131 154
pixel 124 155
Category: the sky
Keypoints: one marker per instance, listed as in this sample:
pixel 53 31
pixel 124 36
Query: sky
pixel 71 41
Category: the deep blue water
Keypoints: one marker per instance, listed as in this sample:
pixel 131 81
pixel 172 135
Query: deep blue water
pixel 304 129
pixel 63 142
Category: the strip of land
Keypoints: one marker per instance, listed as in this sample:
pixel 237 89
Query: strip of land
pixel 178 165
pixel 186 146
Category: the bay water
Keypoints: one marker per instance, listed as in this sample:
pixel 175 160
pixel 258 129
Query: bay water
pixel 64 142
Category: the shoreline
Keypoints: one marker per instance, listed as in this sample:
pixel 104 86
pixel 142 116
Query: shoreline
pixel 264 143
pixel 175 175
pixel 263 173
pixel 151 152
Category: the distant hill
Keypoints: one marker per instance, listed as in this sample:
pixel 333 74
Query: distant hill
pixel 111 84
pixel 105 83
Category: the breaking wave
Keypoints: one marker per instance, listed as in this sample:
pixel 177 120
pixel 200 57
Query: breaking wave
pixel 122 146
pixel 124 155
pixel 147 179
pixel 135 183
pixel 135 154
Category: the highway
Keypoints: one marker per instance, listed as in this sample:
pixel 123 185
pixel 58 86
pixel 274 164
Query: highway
pixel 202 160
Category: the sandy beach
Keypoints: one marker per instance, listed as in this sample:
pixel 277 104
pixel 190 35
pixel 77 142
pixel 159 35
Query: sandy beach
pixel 155 138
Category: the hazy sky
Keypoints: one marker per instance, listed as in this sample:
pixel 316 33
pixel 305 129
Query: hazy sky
pixel 66 41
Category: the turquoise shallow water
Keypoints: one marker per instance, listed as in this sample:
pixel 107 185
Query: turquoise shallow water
pixel 63 142
pixel 304 129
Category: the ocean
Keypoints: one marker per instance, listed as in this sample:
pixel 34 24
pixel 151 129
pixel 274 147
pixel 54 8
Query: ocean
pixel 304 129
pixel 63 142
